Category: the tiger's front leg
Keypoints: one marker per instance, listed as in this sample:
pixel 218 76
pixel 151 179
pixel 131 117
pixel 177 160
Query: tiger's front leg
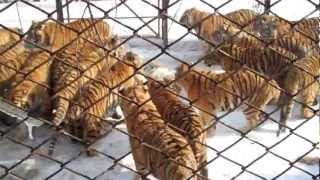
pixel 308 101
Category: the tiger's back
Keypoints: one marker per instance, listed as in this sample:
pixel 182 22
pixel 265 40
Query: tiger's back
pixel 224 91
pixel 164 152
pixel 98 95
pixel 9 36
pixel 96 31
pixel 183 119
pixel 30 87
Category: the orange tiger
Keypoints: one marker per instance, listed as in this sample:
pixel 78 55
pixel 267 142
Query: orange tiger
pixel 271 27
pixel 301 83
pixel 156 148
pixel 215 92
pixel 270 62
pixel 54 35
pixel 74 70
pixel 12 58
pixel 205 26
pixel 10 35
pixel 29 89
pixel 97 96
pixel 183 118
pixel 230 34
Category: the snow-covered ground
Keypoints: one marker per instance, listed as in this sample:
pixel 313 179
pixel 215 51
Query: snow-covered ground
pixel 235 152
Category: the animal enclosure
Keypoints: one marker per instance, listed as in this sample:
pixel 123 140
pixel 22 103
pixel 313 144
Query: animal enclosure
pixel 201 89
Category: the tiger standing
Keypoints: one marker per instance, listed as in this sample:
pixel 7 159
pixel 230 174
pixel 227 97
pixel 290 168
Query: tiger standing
pixel 54 35
pixel 301 83
pixel 183 119
pixel 156 148
pixel 206 24
pixel 215 92
pixel 271 27
pixel 98 95
pixel 229 34
pixel 30 87
pixel 263 60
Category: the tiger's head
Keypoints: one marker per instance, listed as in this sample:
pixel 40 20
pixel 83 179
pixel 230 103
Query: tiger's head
pixel 39 34
pixel 166 83
pixel 183 74
pixel 187 17
pixel 265 27
pixel 118 50
pixel 223 34
pixel 133 98
pixel 133 59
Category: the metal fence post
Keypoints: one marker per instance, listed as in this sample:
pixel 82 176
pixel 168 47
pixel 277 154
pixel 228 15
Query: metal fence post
pixel 267 5
pixel 165 5
pixel 59 10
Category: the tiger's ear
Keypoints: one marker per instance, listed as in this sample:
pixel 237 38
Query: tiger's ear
pixel 114 41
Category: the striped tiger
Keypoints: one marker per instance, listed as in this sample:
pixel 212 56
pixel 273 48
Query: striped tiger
pixel 156 148
pixel 73 70
pixel 54 35
pixel 98 95
pixel 230 34
pixel 183 118
pixel 301 83
pixel 271 27
pixel 29 89
pixel 270 62
pixel 205 28
pixel 11 60
pixel 10 35
pixel 215 92
pixel 309 23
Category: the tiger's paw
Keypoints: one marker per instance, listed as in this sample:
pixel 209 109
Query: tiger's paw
pixel 307 113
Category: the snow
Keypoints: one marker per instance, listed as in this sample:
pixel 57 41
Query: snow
pixel 228 152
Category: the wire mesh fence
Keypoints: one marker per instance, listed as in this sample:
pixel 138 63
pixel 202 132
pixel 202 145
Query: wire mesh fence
pixel 124 89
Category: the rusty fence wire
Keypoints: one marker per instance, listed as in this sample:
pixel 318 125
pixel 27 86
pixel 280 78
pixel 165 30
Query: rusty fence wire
pixel 256 50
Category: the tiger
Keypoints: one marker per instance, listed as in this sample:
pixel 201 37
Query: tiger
pixel 270 27
pixel 301 83
pixel 30 87
pixel 182 117
pixel 270 62
pixel 308 23
pixel 12 59
pixel 98 95
pixel 230 34
pixel 9 35
pixel 75 69
pixel 206 24
pixel 45 33
pixel 215 92
pixel 156 148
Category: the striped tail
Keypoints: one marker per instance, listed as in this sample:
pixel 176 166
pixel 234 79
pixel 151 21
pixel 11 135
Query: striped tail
pixel 52 145
pixel 286 110
pixel 60 111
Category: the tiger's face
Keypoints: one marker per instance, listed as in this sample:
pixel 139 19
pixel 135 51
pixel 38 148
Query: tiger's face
pixel 183 74
pixel 186 18
pixel 265 27
pixel 222 35
pixel 133 59
pixel 36 33
pixel 134 97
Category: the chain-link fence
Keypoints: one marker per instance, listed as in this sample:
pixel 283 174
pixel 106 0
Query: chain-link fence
pixel 118 89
